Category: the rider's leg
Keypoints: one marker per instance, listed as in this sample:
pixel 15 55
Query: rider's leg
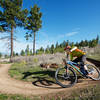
pixel 83 67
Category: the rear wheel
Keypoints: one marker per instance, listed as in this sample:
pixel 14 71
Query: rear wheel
pixel 93 71
pixel 65 77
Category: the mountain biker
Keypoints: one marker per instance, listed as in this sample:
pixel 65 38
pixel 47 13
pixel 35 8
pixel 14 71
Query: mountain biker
pixel 79 55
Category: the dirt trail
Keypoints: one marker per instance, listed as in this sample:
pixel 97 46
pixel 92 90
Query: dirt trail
pixel 12 86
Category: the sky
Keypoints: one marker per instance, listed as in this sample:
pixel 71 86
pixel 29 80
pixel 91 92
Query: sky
pixel 72 20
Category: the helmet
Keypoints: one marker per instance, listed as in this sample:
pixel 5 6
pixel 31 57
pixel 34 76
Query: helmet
pixel 68 47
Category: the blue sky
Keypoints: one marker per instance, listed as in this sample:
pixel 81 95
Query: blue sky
pixel 72 20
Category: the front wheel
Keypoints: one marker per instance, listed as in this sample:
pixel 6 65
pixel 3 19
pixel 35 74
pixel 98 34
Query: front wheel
pixel 65 77
pixel 93 71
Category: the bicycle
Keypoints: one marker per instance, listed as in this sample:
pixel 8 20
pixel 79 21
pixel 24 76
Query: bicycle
pixel 66 76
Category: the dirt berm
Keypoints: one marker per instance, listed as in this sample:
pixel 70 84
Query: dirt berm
pixel 11 86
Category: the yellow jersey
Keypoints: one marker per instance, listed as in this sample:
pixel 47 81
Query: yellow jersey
pixel 76 53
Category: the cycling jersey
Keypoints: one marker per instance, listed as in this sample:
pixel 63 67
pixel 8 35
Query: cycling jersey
pixel 75 52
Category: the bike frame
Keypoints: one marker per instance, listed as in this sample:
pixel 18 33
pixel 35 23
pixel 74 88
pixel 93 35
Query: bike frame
pixel 73 66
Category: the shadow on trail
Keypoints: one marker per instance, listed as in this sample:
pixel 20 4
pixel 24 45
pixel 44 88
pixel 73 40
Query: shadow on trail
pixel 45 79
pixel 50 73
pixel 45 83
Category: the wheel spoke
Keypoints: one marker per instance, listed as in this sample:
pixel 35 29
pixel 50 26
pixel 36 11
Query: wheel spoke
pixel 93 71
pixel 65 78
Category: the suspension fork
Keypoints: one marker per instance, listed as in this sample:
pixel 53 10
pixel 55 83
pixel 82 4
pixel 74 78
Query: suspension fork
pixel 66 68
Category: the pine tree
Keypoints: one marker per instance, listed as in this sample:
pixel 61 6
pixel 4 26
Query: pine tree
pixel 67 43
pixel 57 45
pixel 77 44
pixel 64 43
pixel 86 43
pixel 97 39
pixel 72 44
pixel 11 16
pixel 47 49
pixel 42 49
pixel 27 51
pixel 94 42
pixel 30 52
pixel 33 24
pixel 17 54
pixel 22 53
pixel 52 49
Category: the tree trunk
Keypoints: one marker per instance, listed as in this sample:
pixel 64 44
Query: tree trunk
pixel 34 45
pixel 11 55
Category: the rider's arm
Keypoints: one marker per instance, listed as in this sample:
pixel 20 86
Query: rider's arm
pixel 73 49
pixel 71 57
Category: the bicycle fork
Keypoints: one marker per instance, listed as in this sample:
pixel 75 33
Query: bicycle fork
pixel 66 75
